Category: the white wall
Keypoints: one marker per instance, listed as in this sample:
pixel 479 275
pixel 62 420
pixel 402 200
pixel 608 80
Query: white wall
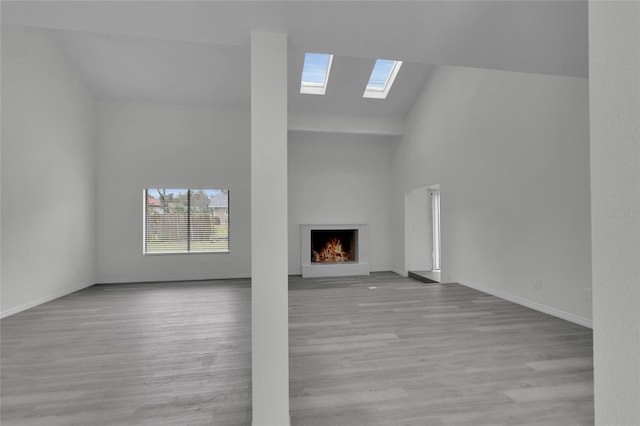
pixel 340 179
pixel 511 154
pixel 48 174
pixel 418 230
pixel 159 145
pixel 614 70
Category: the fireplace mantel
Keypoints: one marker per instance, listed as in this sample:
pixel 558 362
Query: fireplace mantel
pixel 358 267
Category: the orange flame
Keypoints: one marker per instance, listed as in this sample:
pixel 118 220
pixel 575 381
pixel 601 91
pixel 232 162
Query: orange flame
pixel 332 252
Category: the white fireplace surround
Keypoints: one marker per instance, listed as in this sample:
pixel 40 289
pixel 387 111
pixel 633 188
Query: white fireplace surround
pixel 360 267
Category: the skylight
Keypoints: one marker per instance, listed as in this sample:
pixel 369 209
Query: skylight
pixel 315 73
pixel 382 77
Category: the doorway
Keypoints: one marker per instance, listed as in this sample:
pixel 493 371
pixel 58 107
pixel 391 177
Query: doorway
pixel 435 220
pixel 422 233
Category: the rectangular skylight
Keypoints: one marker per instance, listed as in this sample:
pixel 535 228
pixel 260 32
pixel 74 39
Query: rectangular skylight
pixel 382 77
pixel 315 73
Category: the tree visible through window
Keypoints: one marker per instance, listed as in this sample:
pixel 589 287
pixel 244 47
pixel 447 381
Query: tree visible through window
pixel 186 220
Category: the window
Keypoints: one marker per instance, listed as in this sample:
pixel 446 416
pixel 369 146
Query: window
pixel 186 220
pixel 315 73
pixel 381 79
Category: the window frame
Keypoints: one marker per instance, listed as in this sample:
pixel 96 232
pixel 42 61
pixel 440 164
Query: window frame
pixel 315 88
pixel 373 92
pixel 145 252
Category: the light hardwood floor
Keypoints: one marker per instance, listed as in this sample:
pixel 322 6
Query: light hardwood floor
pixel 378 350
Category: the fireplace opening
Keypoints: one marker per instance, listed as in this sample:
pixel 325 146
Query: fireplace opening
pixel 334 246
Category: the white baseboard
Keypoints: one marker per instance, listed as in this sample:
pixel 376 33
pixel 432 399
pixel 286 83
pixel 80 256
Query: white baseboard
pixel 419 268
pixel 380 269
pixel 400 272
pixel 166 279
pixel 576 319
pixel 41 300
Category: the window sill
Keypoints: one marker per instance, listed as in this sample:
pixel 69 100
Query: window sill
pixel 184 252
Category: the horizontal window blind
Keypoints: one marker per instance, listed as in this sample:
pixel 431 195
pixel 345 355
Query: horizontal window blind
pixel 186 220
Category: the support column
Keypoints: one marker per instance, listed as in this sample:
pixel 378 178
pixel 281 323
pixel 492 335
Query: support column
pixel 614 93
pixel 269 255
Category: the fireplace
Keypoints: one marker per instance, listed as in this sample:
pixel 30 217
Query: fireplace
pixel 334 250
pixel 333 245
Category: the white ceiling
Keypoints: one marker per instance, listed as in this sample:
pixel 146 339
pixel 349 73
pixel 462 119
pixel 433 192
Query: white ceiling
pixel 134 68
pixel 198 52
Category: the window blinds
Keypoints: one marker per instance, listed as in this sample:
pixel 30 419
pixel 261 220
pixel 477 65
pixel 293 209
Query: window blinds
pixel 186 220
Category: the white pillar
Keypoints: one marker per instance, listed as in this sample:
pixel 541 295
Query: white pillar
pixel 269 257
pixel 614 92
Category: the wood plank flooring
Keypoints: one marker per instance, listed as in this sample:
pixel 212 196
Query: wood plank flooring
pixel 387 350
pixel 135 354
pixel 377 350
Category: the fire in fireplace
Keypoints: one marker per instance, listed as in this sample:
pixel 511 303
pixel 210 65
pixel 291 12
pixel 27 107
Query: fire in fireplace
pixel 333 246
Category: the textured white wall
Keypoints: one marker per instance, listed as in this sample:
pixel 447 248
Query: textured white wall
pixel 511 154
pixel 163 145
pixel 340 179
pixel 614 73
pixel 48 174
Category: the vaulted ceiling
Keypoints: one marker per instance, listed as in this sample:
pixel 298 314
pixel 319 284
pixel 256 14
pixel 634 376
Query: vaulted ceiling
pixel 198 52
